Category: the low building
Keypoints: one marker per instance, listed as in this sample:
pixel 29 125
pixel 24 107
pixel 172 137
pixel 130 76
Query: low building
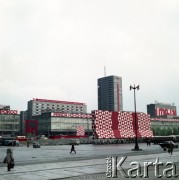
pixel 9 122
pixel 56 123
pixel 161 126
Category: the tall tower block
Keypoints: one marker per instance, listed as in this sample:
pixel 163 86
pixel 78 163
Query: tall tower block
pixel 110 93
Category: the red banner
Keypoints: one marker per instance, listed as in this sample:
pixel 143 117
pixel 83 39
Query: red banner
pixel 165 112
pixel 57 101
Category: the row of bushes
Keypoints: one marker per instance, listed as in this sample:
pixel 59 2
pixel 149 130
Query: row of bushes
pixel 165 131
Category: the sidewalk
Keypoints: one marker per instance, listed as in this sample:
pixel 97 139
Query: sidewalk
pixel 83 169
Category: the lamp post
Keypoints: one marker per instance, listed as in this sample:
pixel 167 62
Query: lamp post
pixel 88 128
pixel 136 148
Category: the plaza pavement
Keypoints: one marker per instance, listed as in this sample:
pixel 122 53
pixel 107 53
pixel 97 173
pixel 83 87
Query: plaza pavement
pixel 83 168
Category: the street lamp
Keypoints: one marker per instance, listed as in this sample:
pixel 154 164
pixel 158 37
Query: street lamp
pixel 88 129
pixel 136 148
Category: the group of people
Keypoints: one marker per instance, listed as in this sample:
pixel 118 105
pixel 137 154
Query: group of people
pixel 148 142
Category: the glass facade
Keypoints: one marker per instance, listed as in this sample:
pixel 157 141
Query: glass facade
pixel 61 125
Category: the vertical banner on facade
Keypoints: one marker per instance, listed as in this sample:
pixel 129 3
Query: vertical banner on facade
pixel 31 127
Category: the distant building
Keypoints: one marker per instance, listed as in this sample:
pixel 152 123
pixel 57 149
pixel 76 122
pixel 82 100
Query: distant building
pixel 37 106
pixel 161 110
pixel 110 93
pixel 159 123
pixel 9 122
pixel 4 107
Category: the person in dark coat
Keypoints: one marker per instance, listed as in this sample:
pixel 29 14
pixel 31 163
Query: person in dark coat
pixel 170 149
pixel 9 159
pixel 73 148
pixel 28 143
pixel 147 141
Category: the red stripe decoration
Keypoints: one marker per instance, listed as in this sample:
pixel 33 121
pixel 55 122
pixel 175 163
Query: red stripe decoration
pixel 115 124
pixel 118 97
pixel 135 125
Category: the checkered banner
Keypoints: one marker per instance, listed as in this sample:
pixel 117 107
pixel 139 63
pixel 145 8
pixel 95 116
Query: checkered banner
pixel 107 124
pixel 80 130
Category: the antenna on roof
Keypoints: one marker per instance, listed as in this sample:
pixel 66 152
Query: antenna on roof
pixel 104 71
pixel 104 68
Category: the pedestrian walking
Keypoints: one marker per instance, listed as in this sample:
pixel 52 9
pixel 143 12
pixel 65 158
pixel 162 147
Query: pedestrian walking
pixel 170 149
pixel 147 141
pixel 73 148
pixel 9 159
pixel 28 143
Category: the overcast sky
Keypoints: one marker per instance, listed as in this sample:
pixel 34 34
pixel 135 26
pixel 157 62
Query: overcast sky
pixel 57 49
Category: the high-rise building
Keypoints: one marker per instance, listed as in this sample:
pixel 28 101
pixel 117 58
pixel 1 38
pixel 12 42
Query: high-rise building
pixel 110 93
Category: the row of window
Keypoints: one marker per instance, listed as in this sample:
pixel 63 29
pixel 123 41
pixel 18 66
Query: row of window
pixel 10 127
pixel 61 126
pixel 52 105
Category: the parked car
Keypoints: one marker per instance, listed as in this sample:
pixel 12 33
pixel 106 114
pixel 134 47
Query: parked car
pixel 36 145
pixel 11 143
pixel 166 144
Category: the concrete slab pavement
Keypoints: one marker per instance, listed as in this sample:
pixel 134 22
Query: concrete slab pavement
pixel 82 169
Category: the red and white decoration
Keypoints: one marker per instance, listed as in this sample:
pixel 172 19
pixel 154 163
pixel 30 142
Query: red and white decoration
pixel 125 124
pixel 59 114
pixel 57 101
pixel 80 130
pixel 8 111
pixel 107 124
pixel 103 124
pixel 164 120
pixel 144 125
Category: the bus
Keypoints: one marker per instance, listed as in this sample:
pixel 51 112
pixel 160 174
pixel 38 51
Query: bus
pixel 21 138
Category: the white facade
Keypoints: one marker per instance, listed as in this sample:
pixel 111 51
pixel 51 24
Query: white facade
pixel 37 106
